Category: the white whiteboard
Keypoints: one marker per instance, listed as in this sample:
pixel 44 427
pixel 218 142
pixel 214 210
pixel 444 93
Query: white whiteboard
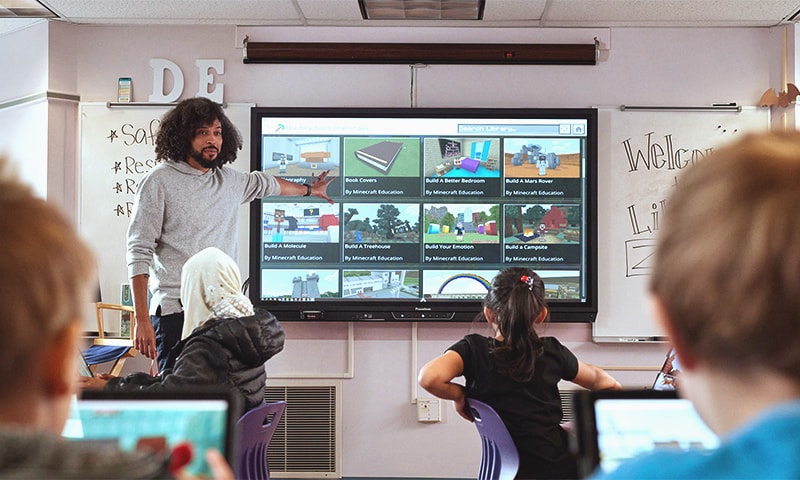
pixel 638 156
pixel 116 150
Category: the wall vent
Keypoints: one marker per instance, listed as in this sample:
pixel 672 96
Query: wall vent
pixel 566 405
pixel 306 442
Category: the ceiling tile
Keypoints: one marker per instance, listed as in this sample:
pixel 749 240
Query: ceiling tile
pixel 514 10
pixel 175 11
pixel 668 12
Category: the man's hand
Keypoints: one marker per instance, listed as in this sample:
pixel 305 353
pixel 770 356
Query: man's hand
pixel 319 185
pixel 144 339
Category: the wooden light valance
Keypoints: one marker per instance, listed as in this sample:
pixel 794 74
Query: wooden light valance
pixel 427 53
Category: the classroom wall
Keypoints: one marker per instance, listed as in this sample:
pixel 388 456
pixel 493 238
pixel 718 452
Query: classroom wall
pixel 381 436
pixel 25 52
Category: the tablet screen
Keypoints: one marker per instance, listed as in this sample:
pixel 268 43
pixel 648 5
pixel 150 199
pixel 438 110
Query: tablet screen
pixel 615 426
pixel 156 422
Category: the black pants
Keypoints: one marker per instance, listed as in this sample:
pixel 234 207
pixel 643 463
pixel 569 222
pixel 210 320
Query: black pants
pixel 168 330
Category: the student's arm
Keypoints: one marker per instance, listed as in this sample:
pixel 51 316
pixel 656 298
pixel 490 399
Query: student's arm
pixel 595 378
pixel 144 339
pixel 436 377
pixel 319 186
pixel 201 361
pixel 97 382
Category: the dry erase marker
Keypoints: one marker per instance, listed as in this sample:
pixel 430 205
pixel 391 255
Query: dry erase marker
pixel 124 85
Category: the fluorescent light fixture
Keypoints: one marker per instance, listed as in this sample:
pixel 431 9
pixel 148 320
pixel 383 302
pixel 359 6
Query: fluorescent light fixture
pixel 24 9
pixel 421 9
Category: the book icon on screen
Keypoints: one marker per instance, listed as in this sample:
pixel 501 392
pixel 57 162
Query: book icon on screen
pixel 380 155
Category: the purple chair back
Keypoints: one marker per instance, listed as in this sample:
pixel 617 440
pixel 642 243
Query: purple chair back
pixel 255 429
pixel 499 456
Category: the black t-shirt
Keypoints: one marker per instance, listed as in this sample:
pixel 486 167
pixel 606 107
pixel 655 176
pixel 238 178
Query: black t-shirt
pixel 531 410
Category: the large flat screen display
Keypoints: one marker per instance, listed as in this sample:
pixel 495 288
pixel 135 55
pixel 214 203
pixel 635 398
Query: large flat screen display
pixel 429 204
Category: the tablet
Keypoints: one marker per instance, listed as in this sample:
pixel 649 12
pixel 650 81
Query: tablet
pixel 83 366
pixel 158 421
pixel 667 377
pixel 614 426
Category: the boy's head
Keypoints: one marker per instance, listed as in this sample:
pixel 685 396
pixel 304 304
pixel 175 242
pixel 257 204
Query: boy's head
pixel 46 274
pixel 727 264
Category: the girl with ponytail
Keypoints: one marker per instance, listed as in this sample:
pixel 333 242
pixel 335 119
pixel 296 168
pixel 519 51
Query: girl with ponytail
pixel 517 372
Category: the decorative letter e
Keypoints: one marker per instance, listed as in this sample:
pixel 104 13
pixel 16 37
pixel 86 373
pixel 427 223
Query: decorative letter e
pixel 207 79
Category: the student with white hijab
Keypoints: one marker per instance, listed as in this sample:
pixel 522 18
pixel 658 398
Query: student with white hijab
pixel 210 283
pixel 224 340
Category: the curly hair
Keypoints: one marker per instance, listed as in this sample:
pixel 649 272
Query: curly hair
pixel 517 304
pixel 178 126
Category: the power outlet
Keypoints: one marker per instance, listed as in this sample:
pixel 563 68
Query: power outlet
pixel 429 410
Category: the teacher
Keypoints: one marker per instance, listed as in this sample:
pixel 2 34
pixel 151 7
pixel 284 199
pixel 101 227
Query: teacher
pixel 188 202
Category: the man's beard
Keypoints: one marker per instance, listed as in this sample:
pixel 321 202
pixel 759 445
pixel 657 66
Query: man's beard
pixel 205 163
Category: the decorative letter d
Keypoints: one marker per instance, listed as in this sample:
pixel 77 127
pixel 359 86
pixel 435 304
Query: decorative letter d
pixel 159 65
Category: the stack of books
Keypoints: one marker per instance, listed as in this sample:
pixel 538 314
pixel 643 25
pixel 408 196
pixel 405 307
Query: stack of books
pixel 380 155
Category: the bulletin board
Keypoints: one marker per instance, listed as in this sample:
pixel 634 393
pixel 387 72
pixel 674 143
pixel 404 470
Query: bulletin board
pixel 116 150
pixel 641 154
